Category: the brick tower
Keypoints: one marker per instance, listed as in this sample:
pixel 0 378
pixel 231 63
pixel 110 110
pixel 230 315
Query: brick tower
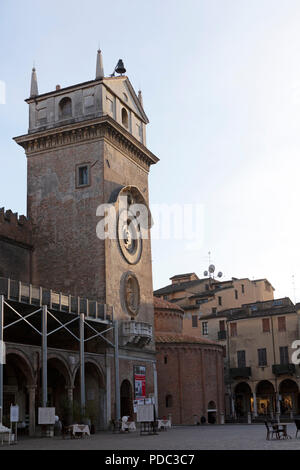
pixel 86 146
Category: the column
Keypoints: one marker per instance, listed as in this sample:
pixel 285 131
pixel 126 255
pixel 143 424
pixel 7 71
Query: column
pixel 2 352
pixel 232 406
pixel 254 404
pixel 155 388
pixel 117 373
pixel 31 390
pixel 70 402
pixel 82 371
pixel 70 394
pixel 108 393
pixel 44 357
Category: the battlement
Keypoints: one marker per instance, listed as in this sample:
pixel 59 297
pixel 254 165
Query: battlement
pixel 15 227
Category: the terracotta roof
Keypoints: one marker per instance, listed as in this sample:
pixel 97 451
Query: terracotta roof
pixel 182 275
pixel 178 287
pixel 163 304
pixel 173 338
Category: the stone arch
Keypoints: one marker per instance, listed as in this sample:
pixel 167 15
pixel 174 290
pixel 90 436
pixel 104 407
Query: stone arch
pixel 90 360
pixel 242 399
pixel 18 382
pixel 135 193
pixel 65 108
pixel 265 397
pixel 94 392
pixel 212 412
pixel 126 398
pixel 288 396
pixel 26 361
pixel 125 118
pixel 63 367
pixel 169 400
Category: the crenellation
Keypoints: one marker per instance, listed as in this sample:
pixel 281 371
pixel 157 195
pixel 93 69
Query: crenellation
pixel 14 227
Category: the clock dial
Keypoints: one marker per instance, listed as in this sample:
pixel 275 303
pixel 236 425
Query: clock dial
pixel 129 237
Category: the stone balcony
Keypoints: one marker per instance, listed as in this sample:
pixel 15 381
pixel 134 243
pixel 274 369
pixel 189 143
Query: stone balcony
pixel 135 333
pixel 283 369
pixel 240 372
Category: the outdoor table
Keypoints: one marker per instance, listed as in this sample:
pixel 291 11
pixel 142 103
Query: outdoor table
pixel 3 431
pixel 79 429
pixel 285 425
pixel 163 423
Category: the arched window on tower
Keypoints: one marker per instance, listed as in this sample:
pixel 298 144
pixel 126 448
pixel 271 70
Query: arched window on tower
pixel 65 108
pixel 124 118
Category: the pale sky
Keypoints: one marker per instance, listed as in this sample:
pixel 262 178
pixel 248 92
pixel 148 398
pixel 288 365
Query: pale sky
pixel 221 87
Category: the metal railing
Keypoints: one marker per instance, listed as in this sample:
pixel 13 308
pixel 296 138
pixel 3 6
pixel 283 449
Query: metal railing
pixel 27 293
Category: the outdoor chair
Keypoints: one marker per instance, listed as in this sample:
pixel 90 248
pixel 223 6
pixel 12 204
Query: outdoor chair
pixel 273 429
pixel 277 430
pixel 297 422
pixel 116 425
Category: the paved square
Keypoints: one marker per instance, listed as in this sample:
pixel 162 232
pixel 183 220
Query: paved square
pixel 227 437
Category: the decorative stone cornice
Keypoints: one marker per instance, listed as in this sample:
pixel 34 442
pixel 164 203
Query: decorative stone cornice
pixel 101 128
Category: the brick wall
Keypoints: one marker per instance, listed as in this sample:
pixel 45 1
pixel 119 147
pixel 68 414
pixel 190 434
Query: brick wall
pixel 15 246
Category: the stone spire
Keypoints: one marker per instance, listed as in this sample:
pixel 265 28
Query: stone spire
pixel 99 66
pixel 140 97
pixel 34 84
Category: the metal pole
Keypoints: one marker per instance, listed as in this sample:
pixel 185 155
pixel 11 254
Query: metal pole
pixel 155 388
pixel 117 378
pixel 2 352
pixel 44 356
pixel 82 372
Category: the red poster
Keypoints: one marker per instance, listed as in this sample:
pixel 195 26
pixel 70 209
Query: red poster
pixel 140 383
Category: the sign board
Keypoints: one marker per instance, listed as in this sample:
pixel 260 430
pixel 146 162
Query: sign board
pixel 46 415
pixel 14 413
pixel 145 413
pixel 139 382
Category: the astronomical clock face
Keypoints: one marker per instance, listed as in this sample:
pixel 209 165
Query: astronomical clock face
pixel 129 237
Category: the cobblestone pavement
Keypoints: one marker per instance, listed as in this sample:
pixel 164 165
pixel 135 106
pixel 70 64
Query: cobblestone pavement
pixel 227 437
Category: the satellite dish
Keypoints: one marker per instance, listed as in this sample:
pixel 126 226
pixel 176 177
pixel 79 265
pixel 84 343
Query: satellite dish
pixel 211 268
pixel 220 274
pixel 205 273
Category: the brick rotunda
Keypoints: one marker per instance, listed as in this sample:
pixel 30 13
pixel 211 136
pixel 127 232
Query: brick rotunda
pixel 190 370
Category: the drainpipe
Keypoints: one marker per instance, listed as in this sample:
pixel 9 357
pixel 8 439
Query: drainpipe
pixel 277 409
pixel 228 370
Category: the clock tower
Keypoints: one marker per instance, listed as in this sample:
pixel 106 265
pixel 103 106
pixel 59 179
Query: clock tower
pixel 86 150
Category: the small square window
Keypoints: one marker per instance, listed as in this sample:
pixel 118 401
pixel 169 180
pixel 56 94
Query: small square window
pixel 83 175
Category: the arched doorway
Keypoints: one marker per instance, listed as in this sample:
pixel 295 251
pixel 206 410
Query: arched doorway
pixel 17 378
pixel 242 402
pixel 288 397
pixel 212 412
pixel 94 394
pixel 265 397
pixel 58 383
pixel 126 399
